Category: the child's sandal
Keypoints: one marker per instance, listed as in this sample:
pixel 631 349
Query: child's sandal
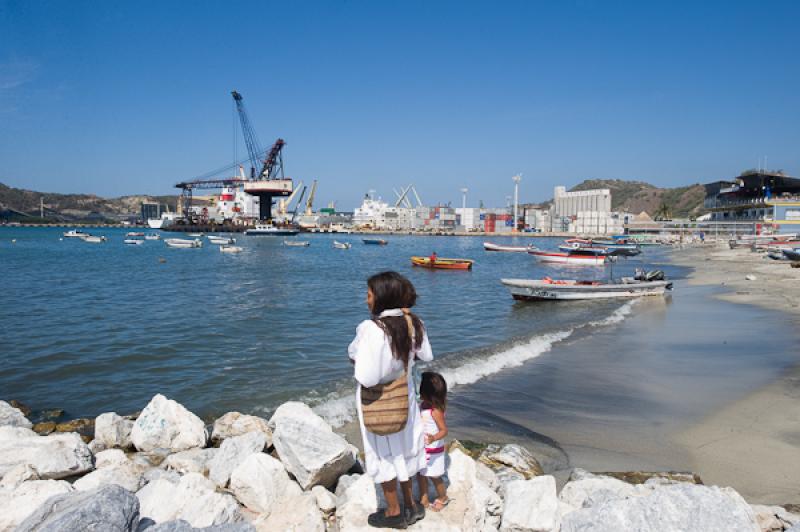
pixel 438 505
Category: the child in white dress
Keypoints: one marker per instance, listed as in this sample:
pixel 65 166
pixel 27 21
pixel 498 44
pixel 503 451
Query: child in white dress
pixel 433 392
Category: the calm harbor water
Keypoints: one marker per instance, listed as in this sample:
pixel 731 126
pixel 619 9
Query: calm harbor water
pixel 97 327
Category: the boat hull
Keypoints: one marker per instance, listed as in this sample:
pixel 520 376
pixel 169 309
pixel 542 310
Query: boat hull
pixel 488 246
pixel 374 241
pixel 540 290
pixel 569 258
pixel 271 232
pixel 181 243
pixel 442 264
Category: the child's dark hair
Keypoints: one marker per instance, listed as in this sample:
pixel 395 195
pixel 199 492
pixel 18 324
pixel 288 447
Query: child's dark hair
pixel 433 389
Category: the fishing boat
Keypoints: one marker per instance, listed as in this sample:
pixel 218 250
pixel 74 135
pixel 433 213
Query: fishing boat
pixel 297 244
pixel 443 264
pixel 791 254
pixel 134 233
pixel 93 239
pixel 375 241
pixel 488 246
pixel 547 289
pixel 227 248
pixel 74 233
pixel 342 245
pixel 573 256
pixel 152 237
pixel 609 247
pixel 221 240
pixel 271 230
pixel 196 235
pixel 182 243
pixel 133 241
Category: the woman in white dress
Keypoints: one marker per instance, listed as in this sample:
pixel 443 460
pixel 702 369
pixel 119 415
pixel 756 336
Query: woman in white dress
pixel 380 351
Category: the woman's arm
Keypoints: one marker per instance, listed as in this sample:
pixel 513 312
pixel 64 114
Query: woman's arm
pixel 441 424
pixel 425 353
pixel 364 352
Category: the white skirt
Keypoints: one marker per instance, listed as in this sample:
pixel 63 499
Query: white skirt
pixel 435 464
pixel 400 455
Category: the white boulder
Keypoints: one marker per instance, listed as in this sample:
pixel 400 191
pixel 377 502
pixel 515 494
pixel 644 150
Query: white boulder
pixel 113 467
pixel 326 501
pixel 483 506
pixel 191 461
pixel 531 506
pixel 54 456
pixel 110 458
pixel 166 424
pixel 774 518
pixel 13 417
pixel 19 503
pixel 308 447
pixel 17 475
pixel 593 489
pixel 685 507
pixel 260 482
pixel 235 424
pixel 194 499
pixel 233 452
pixel 301 515
pixel 112 430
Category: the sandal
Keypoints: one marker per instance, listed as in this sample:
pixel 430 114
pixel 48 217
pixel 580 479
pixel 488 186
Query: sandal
pixel 380 520
pixel 438 505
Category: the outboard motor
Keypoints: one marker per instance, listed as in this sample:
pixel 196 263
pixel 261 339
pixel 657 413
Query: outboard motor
pixel 655 275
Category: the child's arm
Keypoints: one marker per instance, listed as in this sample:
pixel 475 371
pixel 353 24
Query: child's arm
pixel 441 424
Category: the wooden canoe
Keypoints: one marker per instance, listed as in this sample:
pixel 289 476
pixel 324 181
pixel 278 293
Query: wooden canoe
pixel 443 264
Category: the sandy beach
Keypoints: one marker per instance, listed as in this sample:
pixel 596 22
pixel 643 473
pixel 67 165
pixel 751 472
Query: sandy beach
pixel 753 443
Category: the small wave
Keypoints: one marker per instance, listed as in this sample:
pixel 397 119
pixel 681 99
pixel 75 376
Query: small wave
pixel 615 317
pixel 339 409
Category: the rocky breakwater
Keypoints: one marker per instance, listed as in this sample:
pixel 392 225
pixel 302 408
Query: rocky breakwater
pixel 158 473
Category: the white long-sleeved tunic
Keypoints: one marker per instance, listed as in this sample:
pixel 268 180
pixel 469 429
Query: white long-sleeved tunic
pixel 399 455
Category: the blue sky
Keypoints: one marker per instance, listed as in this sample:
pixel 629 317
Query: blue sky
pixel 120 98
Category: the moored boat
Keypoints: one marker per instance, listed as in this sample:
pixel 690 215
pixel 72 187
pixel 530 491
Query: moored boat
pixel 297 244
pixel 488 246
pixel 152 237
pixel 443 264
pixel 93 239
pixel 644 284
pixel 74 233
pixel 134 233
pixel 342 245
pixel 221 240
pixel 182 243
pixel 375 241
pixel 227 248
pixel 196 235
pixel 271 230
pixel 574 256
pixel 133 241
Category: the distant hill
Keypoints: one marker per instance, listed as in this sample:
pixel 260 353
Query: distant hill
pixel 638 196
pixel 20 204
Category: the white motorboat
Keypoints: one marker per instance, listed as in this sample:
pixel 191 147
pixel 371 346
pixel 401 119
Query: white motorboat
pixel 271 230
pixel 93 239
pixel 342 245
pixel 645 284
pixel 196 235
pixel 133 241
pixel 152 237
pixel 221 240
pixel 230 249
pixel 182 243
pixel 576 256
pixel 134 233
pixel 74 233
pixel 488 246
pixel 297 244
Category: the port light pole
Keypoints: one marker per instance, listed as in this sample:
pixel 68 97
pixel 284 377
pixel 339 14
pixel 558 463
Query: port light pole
pixel 464 197
pixel 517 178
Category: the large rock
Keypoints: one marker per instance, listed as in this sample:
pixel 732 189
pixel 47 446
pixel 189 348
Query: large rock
pixel 20 502
pixel 233 452
pixel 301 515
pixel 685 507
pixel 591 490
pixel 308 447
pixel 109 508
pixel 326 501
pixel 13 417
pixel 260 483
pixel 483 506
pixel 112 430
pixel 191 461
pixel 54 457
pixel 17 475
pixel 194 499
pixel 531 506
pixel 166 424
pixel 511 456
pixel 774 518
pixel 113 467
pixel 235 424
pixel 183 526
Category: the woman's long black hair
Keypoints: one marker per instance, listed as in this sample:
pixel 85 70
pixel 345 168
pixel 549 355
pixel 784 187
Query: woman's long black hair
pixel 391 290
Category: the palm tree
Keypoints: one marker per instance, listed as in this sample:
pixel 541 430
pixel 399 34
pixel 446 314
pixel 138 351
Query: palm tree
pixel 663 212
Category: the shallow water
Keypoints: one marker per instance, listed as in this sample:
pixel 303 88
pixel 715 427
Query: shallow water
pixel 98 327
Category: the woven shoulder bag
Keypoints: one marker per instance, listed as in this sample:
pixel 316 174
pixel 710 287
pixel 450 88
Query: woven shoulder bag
pixel 385 406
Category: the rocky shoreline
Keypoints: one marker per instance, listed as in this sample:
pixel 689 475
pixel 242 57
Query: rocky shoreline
pixel 163 470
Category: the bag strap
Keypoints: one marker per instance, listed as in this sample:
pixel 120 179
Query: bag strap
pixel 411 333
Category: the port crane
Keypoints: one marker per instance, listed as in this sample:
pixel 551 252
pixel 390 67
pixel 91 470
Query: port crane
pixel 310 201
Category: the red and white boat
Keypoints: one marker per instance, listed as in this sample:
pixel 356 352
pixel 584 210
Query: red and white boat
pixel 488 246
pixel 576 256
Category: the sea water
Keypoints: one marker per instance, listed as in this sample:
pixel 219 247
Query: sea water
pixel 92 328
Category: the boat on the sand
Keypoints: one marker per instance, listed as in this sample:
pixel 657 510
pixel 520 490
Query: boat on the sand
pixel 375 241
pixel 182 243
pixel 297 244
pixel 488 246
pixel 443 264
pixel 547 289
pixel 573 256
pixel 342 245
pixel 792 254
